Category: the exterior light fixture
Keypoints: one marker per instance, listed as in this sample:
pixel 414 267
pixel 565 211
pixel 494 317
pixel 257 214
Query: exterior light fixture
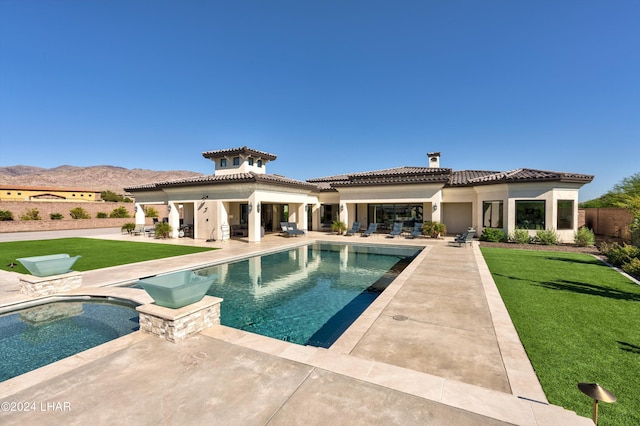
pixel 250 206
pixel 341 207
pixel 435 207
pixel 258 207
pixel 598 393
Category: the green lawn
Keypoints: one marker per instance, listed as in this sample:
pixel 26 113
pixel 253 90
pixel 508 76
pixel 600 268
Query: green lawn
pixel 579 321
pixel 95 253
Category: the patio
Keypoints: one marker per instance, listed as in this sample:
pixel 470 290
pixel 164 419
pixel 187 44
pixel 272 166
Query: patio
pixel 437 347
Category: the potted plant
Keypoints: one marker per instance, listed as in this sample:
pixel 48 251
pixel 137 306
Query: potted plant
pixel 434 229
pixel 162 230
pixel 339 227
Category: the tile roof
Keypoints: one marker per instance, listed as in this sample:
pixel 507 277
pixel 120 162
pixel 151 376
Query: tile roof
pixel 393 176
pixel 471 178
pixel 237 151
pixel 220 179
pixel 396 175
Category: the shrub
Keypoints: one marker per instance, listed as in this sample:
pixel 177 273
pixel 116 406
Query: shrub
pixel 112 196
pixel 634 227
pixel 339 227
pixel 150 212
pixel 56 216
pixel 6 215
pixel 632 267
pixel 520 236
pixel 79 213
pixel 434 229
pixel 101 215
pixel 584 237
pixel 163 229
pixel 492 235
pixel 120 212
pixel 129 226
pixel 546 237
pixel 31 214
pixel 618 255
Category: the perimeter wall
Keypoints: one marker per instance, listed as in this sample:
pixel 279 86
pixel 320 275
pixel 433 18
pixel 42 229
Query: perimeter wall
pixel 46 208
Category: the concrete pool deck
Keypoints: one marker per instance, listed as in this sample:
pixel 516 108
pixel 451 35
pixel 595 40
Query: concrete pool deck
pixel 437 347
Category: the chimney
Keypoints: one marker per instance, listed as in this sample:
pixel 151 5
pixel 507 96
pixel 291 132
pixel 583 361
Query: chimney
pixel 434 160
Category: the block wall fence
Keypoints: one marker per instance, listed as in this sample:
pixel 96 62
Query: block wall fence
pixel 45 208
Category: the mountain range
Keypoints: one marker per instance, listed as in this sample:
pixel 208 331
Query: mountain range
pixel 95 178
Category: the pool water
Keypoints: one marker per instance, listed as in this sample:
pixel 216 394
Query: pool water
pixel 308 295
pixel 37 336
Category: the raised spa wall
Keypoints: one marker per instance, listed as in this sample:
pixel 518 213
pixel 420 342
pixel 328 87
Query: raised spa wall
pixel 176 325
pixel 46 286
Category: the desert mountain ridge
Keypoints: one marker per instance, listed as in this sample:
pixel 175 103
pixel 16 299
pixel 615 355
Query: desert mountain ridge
pixel 95 178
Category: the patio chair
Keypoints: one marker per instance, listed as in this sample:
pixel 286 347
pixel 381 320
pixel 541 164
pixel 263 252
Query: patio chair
pixel 417 230
pixel 465 238
pixel 372 229
pixel 293 228
pixel 290 228
pixel 138 230
pixel 396 230
pixel 354 229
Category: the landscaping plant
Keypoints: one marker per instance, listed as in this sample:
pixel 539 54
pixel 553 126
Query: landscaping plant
pixel 578 321
pixel 492 235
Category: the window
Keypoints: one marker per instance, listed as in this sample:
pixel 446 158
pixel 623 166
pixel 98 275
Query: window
pixel 328 213
pixel 259 163
pixel 386 214
pixel 236 161
pixel 223 162
pixel 530 214
pixel 565 214
pixel 244 214
pixel 250 161
pixel 492 214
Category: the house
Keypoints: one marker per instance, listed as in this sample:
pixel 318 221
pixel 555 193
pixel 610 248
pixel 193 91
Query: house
pixel 242 199
pixel 39 193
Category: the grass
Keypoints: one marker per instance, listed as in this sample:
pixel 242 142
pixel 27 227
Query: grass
pixel 95 253
pixel 579 322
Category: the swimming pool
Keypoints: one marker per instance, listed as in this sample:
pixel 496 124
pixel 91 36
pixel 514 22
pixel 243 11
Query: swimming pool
pixel 33 337
pixel 308 295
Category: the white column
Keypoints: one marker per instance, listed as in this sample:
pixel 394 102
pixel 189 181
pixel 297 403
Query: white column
pixel 344 213
pixel 174 219
pixel 140 219
pixel 254 219
pixel 302 220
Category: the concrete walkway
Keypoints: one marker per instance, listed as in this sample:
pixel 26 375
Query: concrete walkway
pixel 437 347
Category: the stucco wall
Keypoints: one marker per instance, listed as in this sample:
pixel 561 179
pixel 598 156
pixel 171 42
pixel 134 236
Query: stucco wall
pixel 45 208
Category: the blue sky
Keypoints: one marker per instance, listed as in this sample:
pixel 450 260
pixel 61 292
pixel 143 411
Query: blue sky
pixel 328 86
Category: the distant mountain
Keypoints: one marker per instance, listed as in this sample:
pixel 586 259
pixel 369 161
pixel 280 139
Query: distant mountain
pixel 96 178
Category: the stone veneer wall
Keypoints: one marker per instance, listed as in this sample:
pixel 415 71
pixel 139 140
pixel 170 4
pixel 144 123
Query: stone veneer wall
pixel 46 286
pixel 175 325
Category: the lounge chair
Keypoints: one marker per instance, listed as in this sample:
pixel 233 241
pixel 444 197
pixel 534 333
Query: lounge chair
pixel 354 229
pixel 290 228
pixel 465 238
pixel 372 229
pixel 293 228
pixel 396 230
pixel 417 230
pixel 138 230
